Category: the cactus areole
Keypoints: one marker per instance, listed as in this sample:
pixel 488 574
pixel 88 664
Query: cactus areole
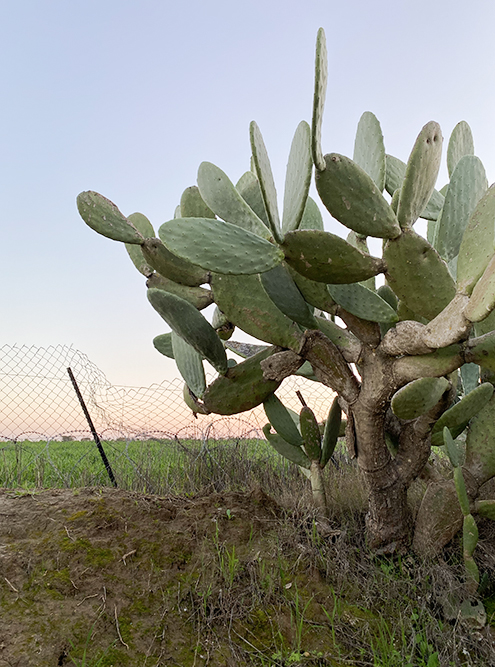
pixel 406 340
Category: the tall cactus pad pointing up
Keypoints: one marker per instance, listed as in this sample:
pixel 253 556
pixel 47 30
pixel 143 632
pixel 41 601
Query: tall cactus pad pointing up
pixel 219 246
pixel 369 149
pixel 265 177
pixel 418 275
pixel 421 174
pixel 183 318
pixel 298 178
pixel 104 217
pixel 321 76
pixel 353 198
pixel 460 144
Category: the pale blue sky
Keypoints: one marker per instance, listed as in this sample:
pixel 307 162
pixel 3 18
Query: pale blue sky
pixel 127 97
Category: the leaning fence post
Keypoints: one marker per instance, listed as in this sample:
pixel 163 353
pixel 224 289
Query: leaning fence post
pixel 96 437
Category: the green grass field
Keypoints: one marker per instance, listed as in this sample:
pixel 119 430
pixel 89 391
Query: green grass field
pixel 148 466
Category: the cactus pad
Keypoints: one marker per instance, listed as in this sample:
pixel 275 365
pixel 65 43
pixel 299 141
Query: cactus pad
pixel 459 415
pixel 331 432
pixel 290 452
pixel 418 397
pixel 219 246
pixel 480 444
pixel 327 258
pixel 183 318
pixel 298 178
pixel 198 296
pixel 192 205
pixel 265 178
pixel 282 290
pixel 282 420
pixel 353 198
pixel 369 149
pixel 310 432
pixel 363 302
pixel 104 217
pixel 321 75
pixel 460 144
pixel 170 266
pixel 190 365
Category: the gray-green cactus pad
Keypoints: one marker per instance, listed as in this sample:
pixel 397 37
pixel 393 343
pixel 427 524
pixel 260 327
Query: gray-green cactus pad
pixel 244 301
pixel 369 149
pixel 418 397
pixel 482 301
pixel 320 89
pixel 282 290
pixel 298 178
pixel 459 415
pixel 242 388
pixel 265 178
pixel 467 185
pixel 421 174
pixel 183 318
pixel 221 196
pixel 480 444
pixel 198 296
pixel 460 144
pixel 353 198
pixel 478 243
pixel 282 420
pixel 327 258
pixel 170 266
pixel 163 343
pixel 192 204
pixel 363 302
pixel 104 217
pixel 219 246
pixel 418 275
pixel 249 188
pixel 331 432
pixel 290 452
pixel 190 365
pixel 396 170
pixel 312 218
pixel 316 294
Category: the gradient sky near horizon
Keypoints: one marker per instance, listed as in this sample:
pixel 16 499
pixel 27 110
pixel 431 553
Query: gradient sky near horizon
pixel 128 97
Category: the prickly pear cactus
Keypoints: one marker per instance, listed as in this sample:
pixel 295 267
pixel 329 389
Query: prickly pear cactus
pixel 399 338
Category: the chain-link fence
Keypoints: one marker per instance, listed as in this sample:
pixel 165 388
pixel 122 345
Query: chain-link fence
pixel 38 404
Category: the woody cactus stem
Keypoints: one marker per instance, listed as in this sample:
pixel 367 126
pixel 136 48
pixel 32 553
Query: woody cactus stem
pixel 397 356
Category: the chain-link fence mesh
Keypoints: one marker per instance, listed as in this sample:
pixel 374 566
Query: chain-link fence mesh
pixel 38 404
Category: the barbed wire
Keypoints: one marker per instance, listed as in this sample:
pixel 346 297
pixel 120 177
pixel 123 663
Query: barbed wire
pixel 38 404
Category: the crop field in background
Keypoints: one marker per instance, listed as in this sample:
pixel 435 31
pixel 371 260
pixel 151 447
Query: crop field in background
pixel 148 466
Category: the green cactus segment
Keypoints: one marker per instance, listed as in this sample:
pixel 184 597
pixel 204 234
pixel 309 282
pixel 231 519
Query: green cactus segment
pixel 453 451
pixel 220 322
pixel 290 452
pixel 316 294
pixel 486 508
pixel 437 363
pixel 327 258
pixel 198 296
pixel 478 243
pixel 104 217
pixel 163 343
pixel 421 174
pixel 183 318
pixel 460 487
pixel 485 326
pixel 418 275
pixel 245 350
pixel 310 432
pixel 170 266
pixel 249 189
pixel 459 415
pixel 361 243
pixel 219 246
pixel 480 444
pixel 340 337
pixel 363 302
pixel 482 351
pixel 482 300
pixel 192 402
pixel 312 218
pixel 460 144
pixel 369 149
pixel 244 301
pixel 387 294
pixel 469 535
pixel 282 421
pixel 321 76
pixel 242 388
pixel 144 226
pixel 298 178
pixel 265 178
pixel 282 290
pixel 192 204
pixel 353 198
pixel 221 196
pixel 331 432
pixel 467 185
pixel 470 374
pixel 396 170
pixel 418 397
pixel 190 365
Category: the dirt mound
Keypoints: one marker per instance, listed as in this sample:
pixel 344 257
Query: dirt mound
pixel 104 568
